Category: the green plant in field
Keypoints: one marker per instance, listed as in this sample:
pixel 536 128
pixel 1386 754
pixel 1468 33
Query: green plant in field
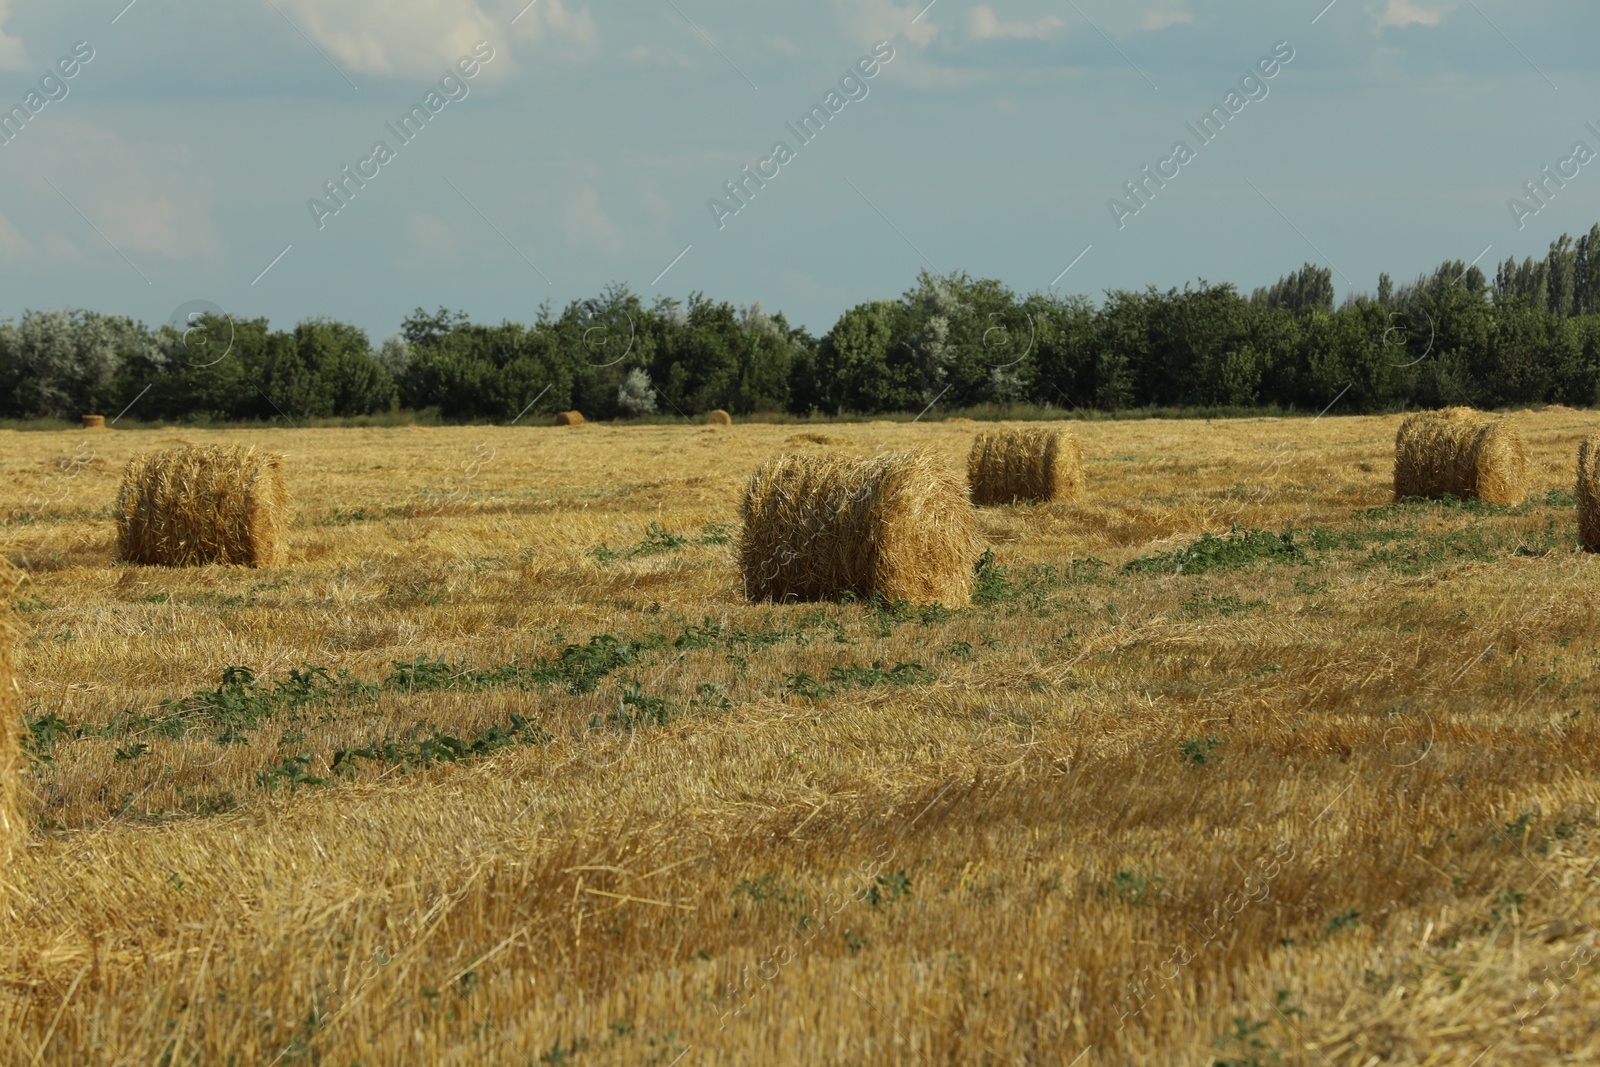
pixel 291 773
pixel 852 676
pixel 636 709
pixel 436 747
pixel 888 888
pixel 658 539
pixel 204 804
pixel 1133 888
pixel 1239 549
pixel 44 733
pixel 1198 751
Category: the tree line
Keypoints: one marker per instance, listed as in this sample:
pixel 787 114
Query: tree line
pixel 1531 334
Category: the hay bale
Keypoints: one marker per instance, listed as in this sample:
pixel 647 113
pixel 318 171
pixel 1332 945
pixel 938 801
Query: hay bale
pixel 94 422
pixel 1589 493
pixel 570 418
pixel 897 526
pixel 719 418
pixel 1007 466
pixel 12 831
pixel 189 506
pixel 1461 452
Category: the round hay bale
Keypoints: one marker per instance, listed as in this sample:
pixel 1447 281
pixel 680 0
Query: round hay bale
pixel 1008 466
pixel 718 418
pixel 94 422
pixel 186 507
pixel 570 418
pixel 896 527
pixel 1589 493
pixel 12 830
pixel 1460 452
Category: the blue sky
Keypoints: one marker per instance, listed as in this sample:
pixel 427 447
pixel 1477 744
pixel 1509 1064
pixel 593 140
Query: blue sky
pixel 180 161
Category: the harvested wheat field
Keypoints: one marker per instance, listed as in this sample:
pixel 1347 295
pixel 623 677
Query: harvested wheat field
pixel 1231 760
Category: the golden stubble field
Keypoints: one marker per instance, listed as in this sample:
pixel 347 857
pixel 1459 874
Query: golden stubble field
pixel 515 776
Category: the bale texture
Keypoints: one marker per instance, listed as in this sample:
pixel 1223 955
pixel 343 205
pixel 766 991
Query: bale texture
pixel 12 831
pixel 570 418
pixel 1008 466
pixel 719 418
pixel 1589 493
pixel 186 507
pixel 94 422
pixel 1461 452
pixel 897 526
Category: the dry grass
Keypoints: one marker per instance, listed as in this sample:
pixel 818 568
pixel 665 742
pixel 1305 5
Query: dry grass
pixel 1333 806
pixel 1461 452
pixel 569 418
pixel 894 527
pixel 1034 466
pixel 190 506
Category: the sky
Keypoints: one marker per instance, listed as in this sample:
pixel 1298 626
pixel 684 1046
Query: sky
pixel 185 157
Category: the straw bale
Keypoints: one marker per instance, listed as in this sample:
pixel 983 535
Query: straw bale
pixel 189 506
pixel 1589 493
pixel 897 526
pixel 719 417
pixel 94 422
pixel 1461 452
pixel 1008 466
pixel 570 418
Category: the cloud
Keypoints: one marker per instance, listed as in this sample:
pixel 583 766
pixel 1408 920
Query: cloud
pixel 12 55
pixel 984 25
pixel 149 198
pixel 586 222
pixel 1403 13
pixel 58 247
pixel 1160 20
pixel 435 240
pixel 14 248
pixel 883 20
pixel 419 38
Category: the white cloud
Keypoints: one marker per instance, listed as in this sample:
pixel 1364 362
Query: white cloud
pixel 149 198
pixel 884 20
pixel 431 237
pixel 1403 13
pixel 12 56
pixel 14 248
pixel 587 223
pixel 58 247
pixel 420 38
pixel 984 25
pixel 1160 20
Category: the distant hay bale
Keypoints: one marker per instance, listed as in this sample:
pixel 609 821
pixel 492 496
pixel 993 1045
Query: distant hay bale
pixel 1461 452
pixel 718 418
pixel 189 506
pixel 1008 466
pixel 570 418
pixel 897 526
pixel 12 831
pixel 94 422
pixel 1589 493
